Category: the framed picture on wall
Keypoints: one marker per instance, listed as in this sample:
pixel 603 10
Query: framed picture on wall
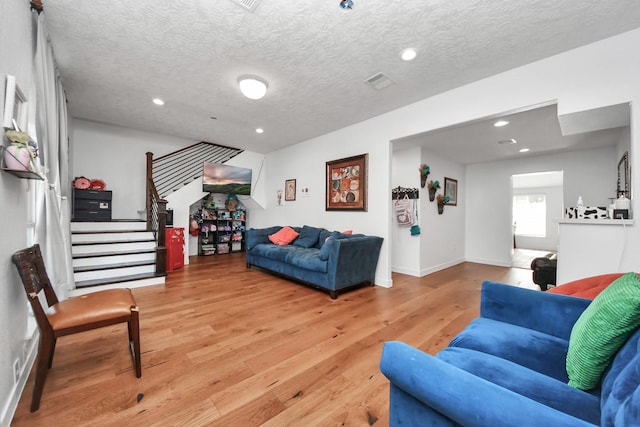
pixel 347 184
pixel 451 190
pixel 290 190
pixel 15 106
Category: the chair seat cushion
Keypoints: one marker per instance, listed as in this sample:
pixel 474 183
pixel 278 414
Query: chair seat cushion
pixel 102 306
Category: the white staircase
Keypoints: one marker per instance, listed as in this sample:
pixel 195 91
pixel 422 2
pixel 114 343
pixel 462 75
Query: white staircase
pixel 113 254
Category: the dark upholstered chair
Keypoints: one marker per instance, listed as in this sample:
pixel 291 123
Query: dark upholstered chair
pixel 71 316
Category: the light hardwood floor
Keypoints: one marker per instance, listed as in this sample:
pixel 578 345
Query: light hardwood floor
pixel 224 345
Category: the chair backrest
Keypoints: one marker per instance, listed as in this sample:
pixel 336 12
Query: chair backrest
pixel 34 277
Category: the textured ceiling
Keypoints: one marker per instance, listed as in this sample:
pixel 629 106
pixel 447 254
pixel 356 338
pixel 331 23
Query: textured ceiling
pixel 116 55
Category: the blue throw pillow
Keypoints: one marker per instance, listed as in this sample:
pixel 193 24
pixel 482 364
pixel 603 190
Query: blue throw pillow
pixel 327 247
pixel 308 237
pixel 324 235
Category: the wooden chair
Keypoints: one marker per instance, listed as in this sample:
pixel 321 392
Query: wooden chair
pixel 91 311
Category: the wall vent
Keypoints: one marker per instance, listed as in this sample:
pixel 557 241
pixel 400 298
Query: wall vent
pixel 378 81
pixel 250 5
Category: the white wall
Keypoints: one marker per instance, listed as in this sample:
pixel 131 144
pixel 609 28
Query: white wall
pixel 117 156
pixel 440 243
pixel 489 202
pixel 17 49
pixel 442 237
pixel 405 257
pixel 553 200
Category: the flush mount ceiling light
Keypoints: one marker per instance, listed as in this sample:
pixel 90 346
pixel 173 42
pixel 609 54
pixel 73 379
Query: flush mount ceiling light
pixel 507 141
pixel 408 54
pixel 501 123
pixel 259 130
pixel 158 101
pixel 252 87
pixel 524 150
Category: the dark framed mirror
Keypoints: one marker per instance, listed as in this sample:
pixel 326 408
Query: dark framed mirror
pixel 624 183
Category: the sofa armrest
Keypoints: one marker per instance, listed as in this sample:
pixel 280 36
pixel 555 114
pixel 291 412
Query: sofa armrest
pixel 459 395
pixel 353 260
pixel 551 314
pixel 256 236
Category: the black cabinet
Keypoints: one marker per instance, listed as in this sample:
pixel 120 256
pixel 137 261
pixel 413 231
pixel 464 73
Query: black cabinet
pixel 91 205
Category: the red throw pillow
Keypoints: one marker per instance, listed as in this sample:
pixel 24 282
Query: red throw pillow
pixel 347 232
pixel 285 236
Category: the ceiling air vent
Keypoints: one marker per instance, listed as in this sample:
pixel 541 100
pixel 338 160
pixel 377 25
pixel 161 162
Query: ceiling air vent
pixel 378 81
pixel 250 5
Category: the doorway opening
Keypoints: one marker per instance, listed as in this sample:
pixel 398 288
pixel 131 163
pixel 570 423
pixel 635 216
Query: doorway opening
pixel 536 206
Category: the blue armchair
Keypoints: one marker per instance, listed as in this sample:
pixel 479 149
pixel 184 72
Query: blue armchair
pixel 508 368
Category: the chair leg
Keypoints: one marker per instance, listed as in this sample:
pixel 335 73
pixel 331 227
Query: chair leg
pixel 53 350
pixel 134 340
pixel 45 356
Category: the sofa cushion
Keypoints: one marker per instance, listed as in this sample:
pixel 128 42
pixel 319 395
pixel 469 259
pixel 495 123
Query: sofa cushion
pixel 322 237
pixel 328 246
pixel 284 236
pixel 532 349
pixel 601 330
pixel 308 237
pixel 306 258
pixel 275 252
pixel 260 235
pixel 524 381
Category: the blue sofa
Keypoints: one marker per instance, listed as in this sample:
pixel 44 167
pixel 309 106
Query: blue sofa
pixel 327 260
pixel 508 368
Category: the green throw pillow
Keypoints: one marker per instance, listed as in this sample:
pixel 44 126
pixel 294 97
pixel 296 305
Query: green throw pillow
pixel 601 330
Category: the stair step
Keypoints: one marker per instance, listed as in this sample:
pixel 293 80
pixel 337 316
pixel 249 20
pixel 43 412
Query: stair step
pixel 113 273
pixel 101 267
pixel 112 242
pixel 122 279
pixel 113 253
pixel 131 224
pixel 113 236
pixel 82 249
pixel 132 230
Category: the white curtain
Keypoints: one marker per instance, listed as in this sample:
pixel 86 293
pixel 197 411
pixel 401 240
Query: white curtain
pixel 53 210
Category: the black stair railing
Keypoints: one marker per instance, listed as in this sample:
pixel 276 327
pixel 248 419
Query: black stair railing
pixel 169 173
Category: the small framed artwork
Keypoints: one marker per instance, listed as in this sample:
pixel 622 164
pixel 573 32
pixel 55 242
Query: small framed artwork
pixel 451 190
pixel 290 190
pixel 347 184
pixel 15 106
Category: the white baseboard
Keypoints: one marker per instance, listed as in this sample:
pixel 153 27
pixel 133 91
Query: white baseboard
pixel 433 269
pixel 499 263
pixel 10 408
pixel 407 271
pixel 385 283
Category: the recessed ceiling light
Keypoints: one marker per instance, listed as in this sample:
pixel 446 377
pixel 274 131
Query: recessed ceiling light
pixel 408 54
pixel 501 123
pixel 507 141
pixel 252 87
pixel 524 150
pixel 259 130
pixel 158 101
